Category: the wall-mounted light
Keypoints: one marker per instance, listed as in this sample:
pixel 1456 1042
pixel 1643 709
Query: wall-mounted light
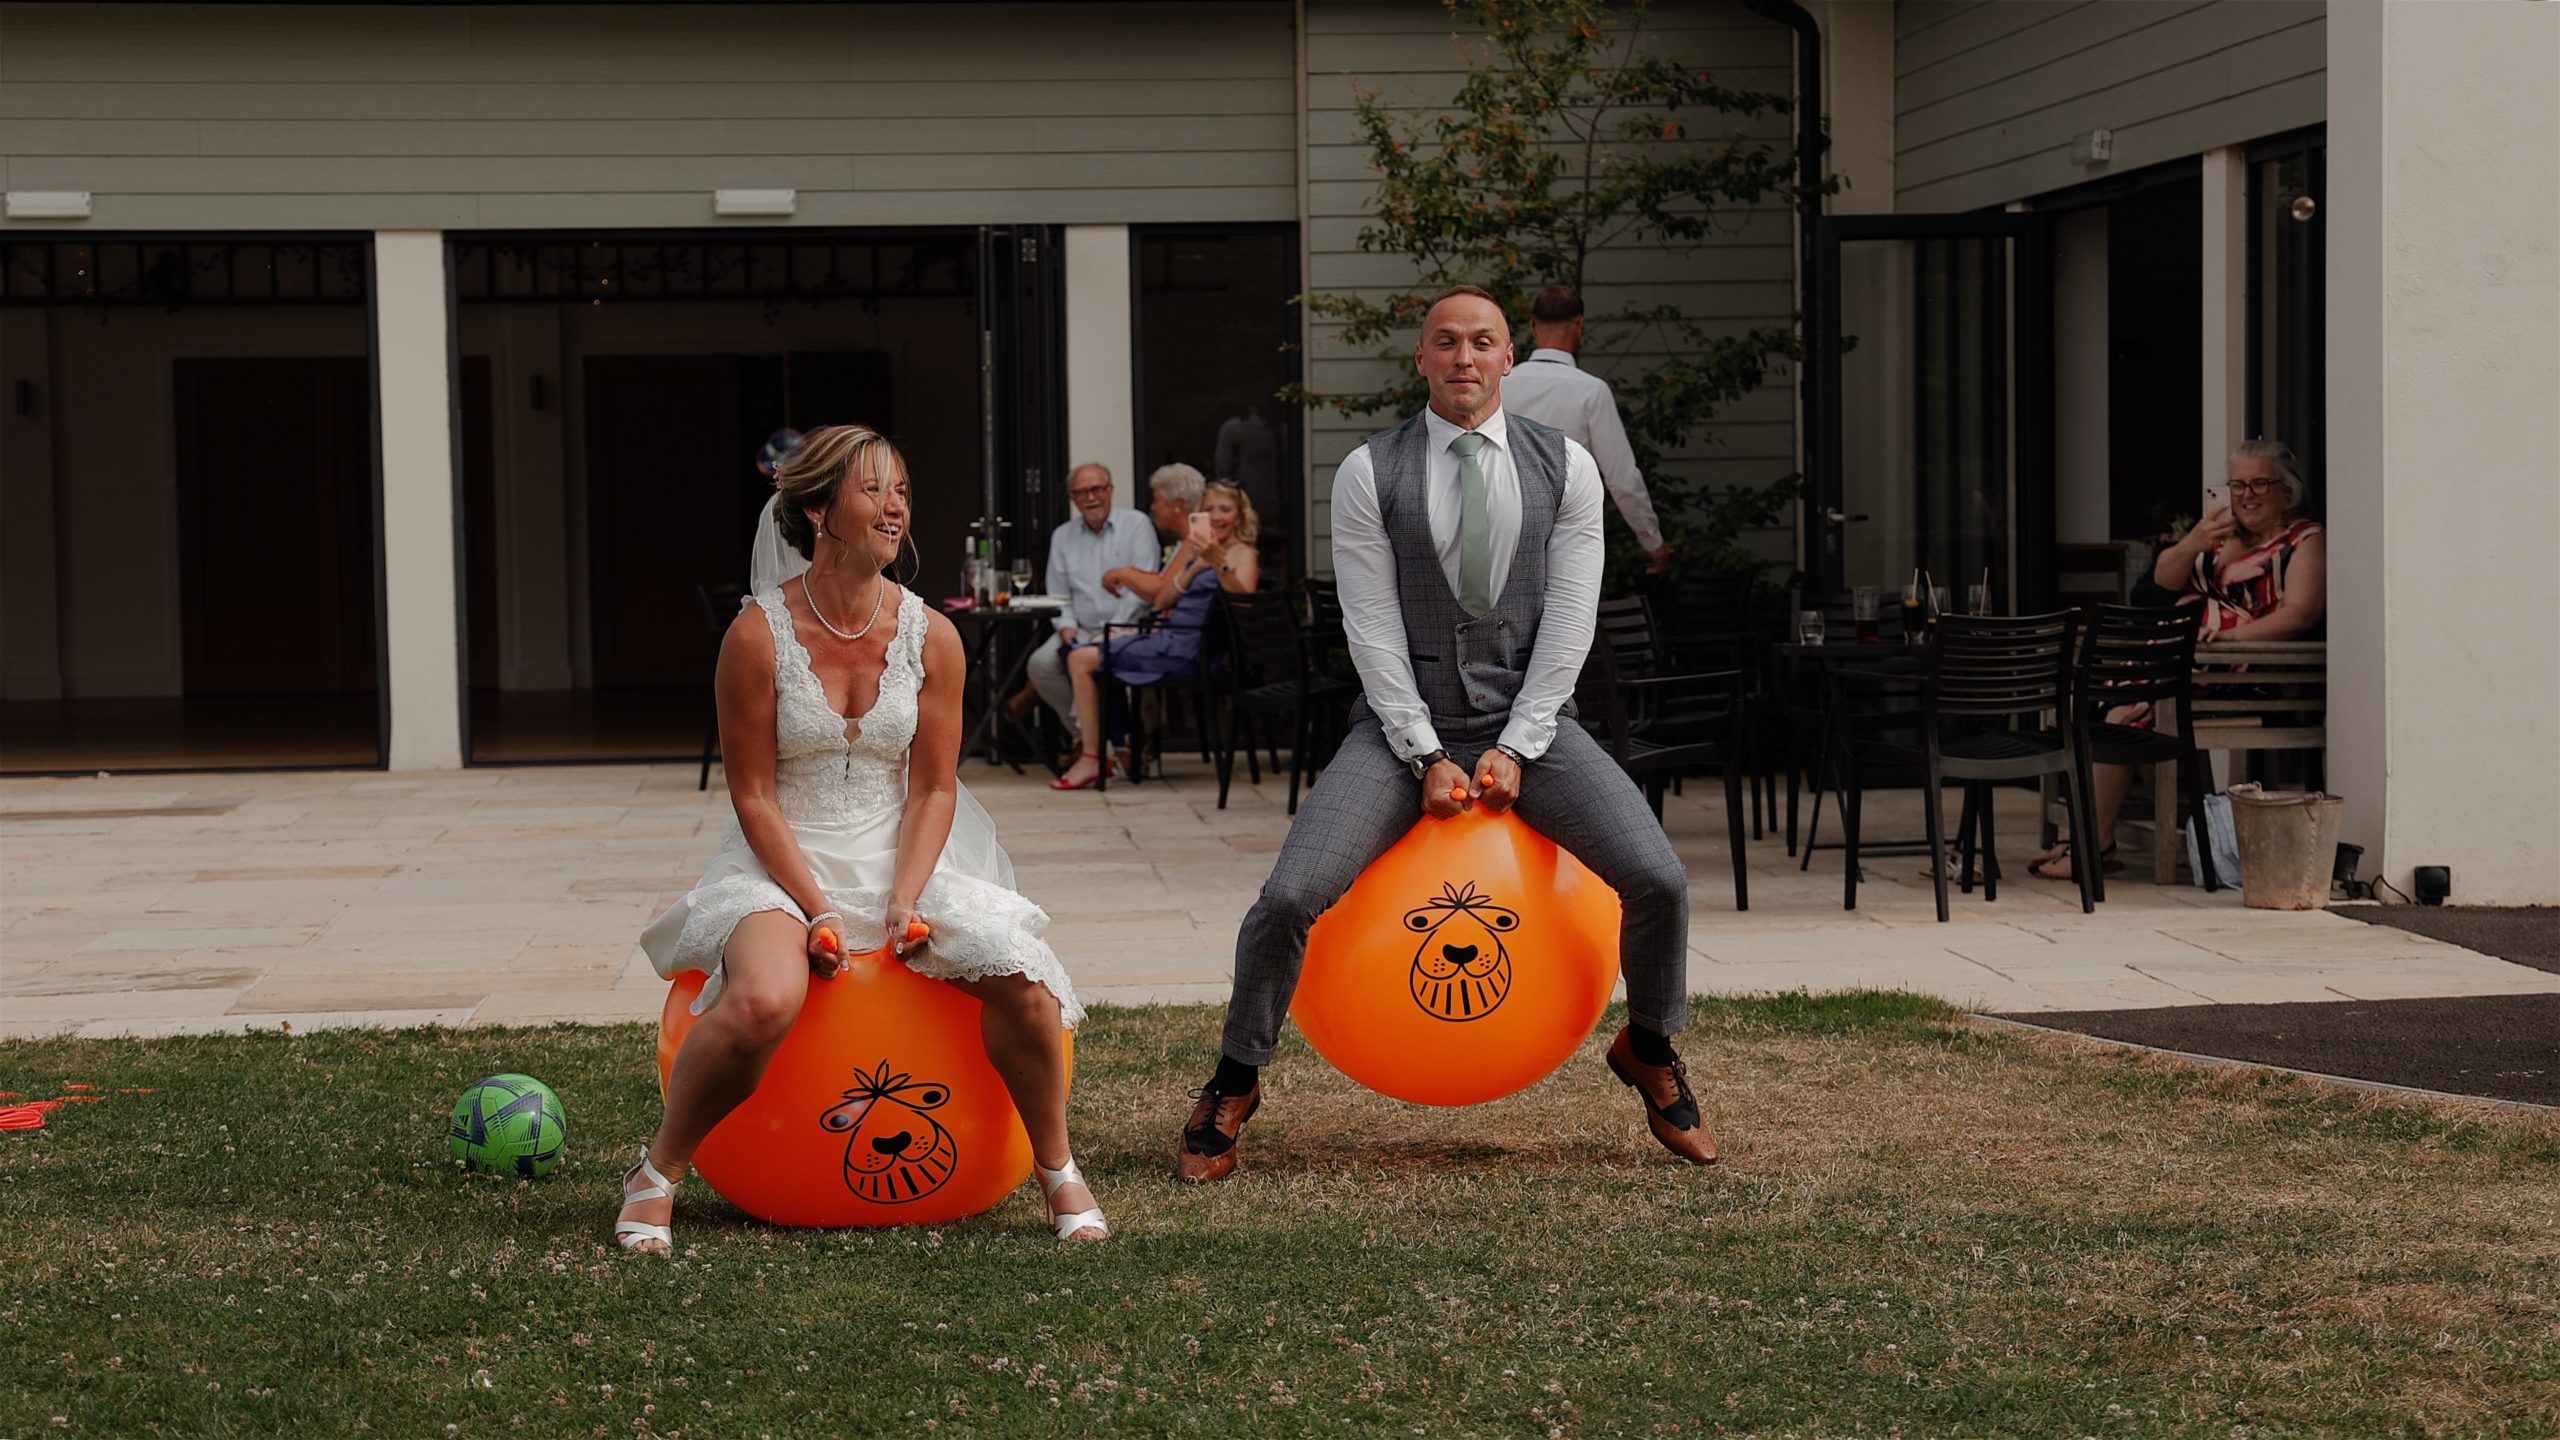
pixel 771 204
pixel 2096 147
pixel 48 204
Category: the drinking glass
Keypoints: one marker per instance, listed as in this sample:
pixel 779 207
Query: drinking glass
pixel 1914 625
pixel 973 578
pixel 1021 577
pixel 1977 599
pixel 1809 627
pixel 1864 613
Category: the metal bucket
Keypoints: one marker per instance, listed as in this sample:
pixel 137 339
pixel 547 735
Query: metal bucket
pixel 2288 846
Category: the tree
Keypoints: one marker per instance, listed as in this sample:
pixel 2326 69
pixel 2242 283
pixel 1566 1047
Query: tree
pixel 1569 135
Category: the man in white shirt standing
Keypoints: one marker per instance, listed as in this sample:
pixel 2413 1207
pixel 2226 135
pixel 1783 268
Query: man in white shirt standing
pixel 1552 388
pixel 1467 546
pixel 1100 538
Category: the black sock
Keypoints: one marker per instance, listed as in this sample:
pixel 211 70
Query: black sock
pixel 1651 1046
pixel 1234 1077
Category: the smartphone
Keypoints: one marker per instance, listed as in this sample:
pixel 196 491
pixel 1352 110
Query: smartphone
pixel 2212 497
pixel 1200 529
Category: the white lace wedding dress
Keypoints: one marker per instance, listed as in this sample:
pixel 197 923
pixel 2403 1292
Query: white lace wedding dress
pixel 843 787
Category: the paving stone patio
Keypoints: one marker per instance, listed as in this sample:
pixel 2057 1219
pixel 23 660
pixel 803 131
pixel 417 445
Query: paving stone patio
pixel 153 905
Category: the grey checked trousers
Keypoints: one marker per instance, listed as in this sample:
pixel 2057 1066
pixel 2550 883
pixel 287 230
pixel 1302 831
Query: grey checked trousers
pixel 1574 794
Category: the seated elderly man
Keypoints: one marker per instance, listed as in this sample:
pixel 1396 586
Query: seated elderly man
pixel 1102 537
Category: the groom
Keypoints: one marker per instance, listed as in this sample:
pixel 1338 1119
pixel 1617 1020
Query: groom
pixel 1467 545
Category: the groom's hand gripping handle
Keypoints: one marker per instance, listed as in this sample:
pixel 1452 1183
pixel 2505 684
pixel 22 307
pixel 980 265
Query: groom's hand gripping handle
pixel 1444 789
pixel 1497 780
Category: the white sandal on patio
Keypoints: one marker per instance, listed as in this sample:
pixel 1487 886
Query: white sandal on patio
pixel 632 1234
pixel 1068 1174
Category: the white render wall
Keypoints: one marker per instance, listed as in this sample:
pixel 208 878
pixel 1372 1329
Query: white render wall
pixel 1101 379
pixel 422 615
pixel 2444 441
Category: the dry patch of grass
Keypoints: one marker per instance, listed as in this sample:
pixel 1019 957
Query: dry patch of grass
pixel 1921 1227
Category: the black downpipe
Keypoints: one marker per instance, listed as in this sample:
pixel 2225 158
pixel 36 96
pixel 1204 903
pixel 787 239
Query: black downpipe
pixel 1810 144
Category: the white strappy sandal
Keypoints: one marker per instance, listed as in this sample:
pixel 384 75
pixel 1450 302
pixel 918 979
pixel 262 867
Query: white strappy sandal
pixel 632 1234
pixel 1069 1174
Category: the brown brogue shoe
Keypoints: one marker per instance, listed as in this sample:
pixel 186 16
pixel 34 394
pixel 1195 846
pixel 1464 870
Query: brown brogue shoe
pixel 1208 1149
pixel 1670 1110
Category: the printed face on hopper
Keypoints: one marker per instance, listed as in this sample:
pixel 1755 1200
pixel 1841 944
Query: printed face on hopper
pixel 1462 970
pixel 894 1150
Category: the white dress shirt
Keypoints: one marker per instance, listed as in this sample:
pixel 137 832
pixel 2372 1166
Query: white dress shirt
pixel 1551 389
pixel 1077 559
pixel 1364 564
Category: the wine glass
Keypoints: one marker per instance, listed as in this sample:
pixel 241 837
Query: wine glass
pixel 1021 578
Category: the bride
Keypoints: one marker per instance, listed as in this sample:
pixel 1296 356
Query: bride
pixel 848 826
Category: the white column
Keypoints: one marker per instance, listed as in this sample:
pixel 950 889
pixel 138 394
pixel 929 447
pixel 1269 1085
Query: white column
pixel 1857 94
pixel 2226 310
pixel 2082 414
pixel 1101 378
pixel 2443 271
pixel 422 621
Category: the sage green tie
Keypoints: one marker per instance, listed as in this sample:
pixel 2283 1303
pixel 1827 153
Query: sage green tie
pixel 1475 529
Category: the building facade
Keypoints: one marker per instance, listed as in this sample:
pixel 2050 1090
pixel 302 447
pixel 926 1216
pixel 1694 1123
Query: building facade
pixel 402 364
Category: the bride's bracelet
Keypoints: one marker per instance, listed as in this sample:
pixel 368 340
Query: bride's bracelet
pixel 822 917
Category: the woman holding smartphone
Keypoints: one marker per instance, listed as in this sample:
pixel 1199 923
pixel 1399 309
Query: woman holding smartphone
pixel 2254 569
pixel 1216 553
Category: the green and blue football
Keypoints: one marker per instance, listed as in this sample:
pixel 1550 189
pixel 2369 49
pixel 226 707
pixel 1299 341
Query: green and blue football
pixel 510 1125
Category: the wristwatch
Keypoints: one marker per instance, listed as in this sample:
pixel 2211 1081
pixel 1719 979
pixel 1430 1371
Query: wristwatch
pixel 1422 763
pixel 1516 757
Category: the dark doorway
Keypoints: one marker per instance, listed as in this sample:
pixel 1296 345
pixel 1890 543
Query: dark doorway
pixel 275 525
pixel 1932 420
pixel 1217 340
pixel 2288 300
pixel 188 504
pixel 2155 345
pixel 664 444
pixel 614 397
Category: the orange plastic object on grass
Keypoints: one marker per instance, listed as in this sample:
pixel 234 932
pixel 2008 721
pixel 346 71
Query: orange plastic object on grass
pixel 879 1109
pixel 1467 962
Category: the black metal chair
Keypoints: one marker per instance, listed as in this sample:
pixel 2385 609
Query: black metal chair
pixel 1270 676
pixel 1661 725
pixel 720 605
pixel 1334 680
pixel 2131 656
pixel 1708 623
pixel 1988 674
pixel 1120 698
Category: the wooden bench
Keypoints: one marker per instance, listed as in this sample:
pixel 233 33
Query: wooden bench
pixel 2251 695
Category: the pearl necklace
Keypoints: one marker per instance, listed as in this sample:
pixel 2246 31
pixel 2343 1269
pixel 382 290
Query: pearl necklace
pixel 879 592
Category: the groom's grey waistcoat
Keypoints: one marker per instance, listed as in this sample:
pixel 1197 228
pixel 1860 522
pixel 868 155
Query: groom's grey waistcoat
pixel 1468 668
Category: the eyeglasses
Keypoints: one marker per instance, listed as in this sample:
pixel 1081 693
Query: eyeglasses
pixel 1088 492
pixel 2253 487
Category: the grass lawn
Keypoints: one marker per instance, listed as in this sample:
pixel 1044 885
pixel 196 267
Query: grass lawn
pixel 1921 1228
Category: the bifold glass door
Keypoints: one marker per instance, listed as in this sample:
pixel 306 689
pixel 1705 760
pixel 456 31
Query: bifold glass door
pixel 1933 406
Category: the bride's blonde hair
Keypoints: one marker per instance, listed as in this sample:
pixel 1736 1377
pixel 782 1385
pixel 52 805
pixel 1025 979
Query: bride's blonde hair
pixel 807 478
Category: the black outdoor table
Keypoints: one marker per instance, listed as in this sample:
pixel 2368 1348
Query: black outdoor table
pixel 1885 660
pixel 982 627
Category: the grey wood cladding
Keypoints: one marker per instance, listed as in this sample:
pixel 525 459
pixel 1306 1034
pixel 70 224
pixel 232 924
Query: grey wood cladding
pixel 1989 93
pixel 1412 55
pixel 468 117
